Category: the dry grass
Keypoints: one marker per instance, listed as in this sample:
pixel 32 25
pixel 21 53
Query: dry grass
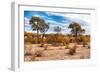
pixel 58 53
pixel 60 47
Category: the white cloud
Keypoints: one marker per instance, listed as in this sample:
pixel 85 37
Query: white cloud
pixel 52 13
pixel 26 20
pixel 84 17
pixel 36 15
pixel 27 27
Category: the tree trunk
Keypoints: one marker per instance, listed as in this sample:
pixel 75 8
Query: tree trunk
pixel 42 41
pixel 37 36
pixel 76 36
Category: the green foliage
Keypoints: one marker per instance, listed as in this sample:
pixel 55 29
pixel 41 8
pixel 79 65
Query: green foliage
pixel 39 24
pixel 76 29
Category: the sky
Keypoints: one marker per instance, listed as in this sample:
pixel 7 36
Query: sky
pixel 58 19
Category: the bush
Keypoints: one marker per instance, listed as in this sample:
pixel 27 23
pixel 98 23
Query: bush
pixel 28 57
pixel 81 57
pixel 72 51
pixel 84 44
pixel 85 38
pixel 38 53
pixel 88 46
pixel 29 38
pixel 45 47
pixel 27 54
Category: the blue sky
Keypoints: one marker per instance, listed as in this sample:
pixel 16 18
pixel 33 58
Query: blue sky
pixel 58 19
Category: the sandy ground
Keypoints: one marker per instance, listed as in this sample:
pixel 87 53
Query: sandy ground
pixel 49 52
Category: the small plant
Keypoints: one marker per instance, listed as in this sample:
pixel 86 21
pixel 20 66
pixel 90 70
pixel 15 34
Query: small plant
pixel 66 46
pixel 42 45
pixel 88 46
pixel 72 51
pixel 82 57
pixel 38 53
pixel 45 47
pixel 60 48
pixel 28 54
pixel 84 44
pixel 28 57
pixel 33 57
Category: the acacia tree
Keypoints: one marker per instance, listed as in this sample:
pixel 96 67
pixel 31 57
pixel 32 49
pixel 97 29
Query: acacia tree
pixel 76 29
pixel 43 30
pixel 38 24
pixel 57 29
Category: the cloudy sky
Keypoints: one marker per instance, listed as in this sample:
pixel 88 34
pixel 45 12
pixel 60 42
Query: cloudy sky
pixel 58 19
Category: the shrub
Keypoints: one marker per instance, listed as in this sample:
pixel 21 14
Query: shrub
pixel 85 38
pixel 38 53
pixel 84 44
pixel 27 54
pixel 45 47
pixel 88 46
pixel 33 57
pixel 66 46
pixel 27 48
pixel 29 38
pixel 81 57
pixel 72 51
pixel 41 45
pixel 28 57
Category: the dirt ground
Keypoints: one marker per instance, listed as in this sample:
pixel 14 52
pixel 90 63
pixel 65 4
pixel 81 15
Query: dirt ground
pixel 33 52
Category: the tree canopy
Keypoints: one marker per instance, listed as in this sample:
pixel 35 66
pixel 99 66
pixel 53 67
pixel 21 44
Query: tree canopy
pixel 76 28
pixel 39 24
